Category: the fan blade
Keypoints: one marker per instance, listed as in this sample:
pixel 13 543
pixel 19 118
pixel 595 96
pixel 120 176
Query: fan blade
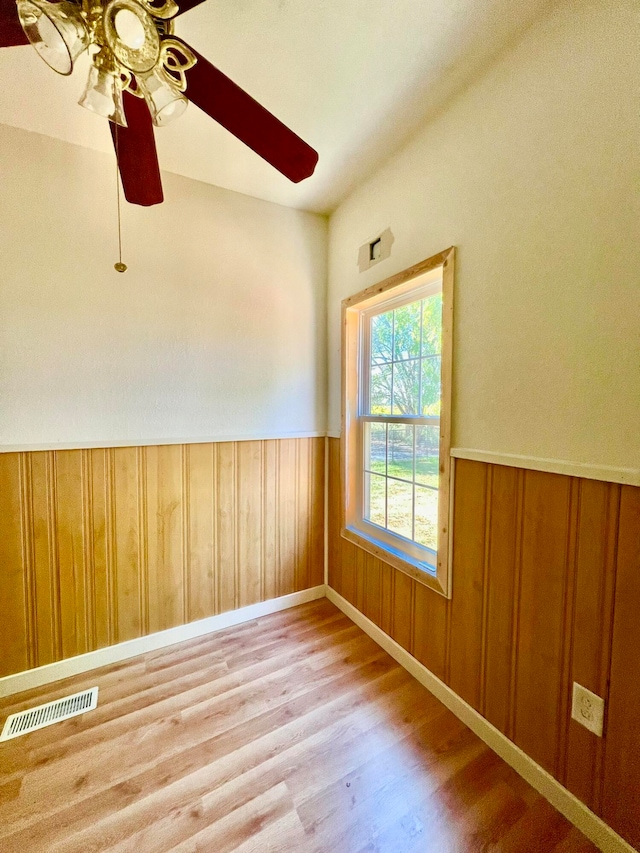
pixel 186 6
pixel 136 152
pixel 11 32
pixel 234 109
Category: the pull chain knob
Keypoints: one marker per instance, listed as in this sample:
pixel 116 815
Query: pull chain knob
pixel 118 267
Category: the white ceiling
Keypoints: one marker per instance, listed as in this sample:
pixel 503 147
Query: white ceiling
pixel 354 78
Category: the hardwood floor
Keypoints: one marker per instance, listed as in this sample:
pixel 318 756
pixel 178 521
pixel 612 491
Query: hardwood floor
pixel 294 732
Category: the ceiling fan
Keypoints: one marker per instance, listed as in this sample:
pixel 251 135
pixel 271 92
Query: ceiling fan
pixel 141 75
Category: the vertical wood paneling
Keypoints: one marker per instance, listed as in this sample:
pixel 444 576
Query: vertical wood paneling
pixel 373 589
pixel 541 615
pixel 316 477
pixel 402 607
pixel 430 630
pixel 100 546
pixel 201 560
pixel 535 560
pixel 569 594
pixel 517 587
pixel 185 524
pixel 621 799
pixel 12 591
pixel 465 656
pixel 126 536
pixel 45 565
pixel 335 545
pixel 102 566
pixel 287 526
pixel 164 536
pixel 53 553
pixel 386 595
pixel 350 574
pixel 500 595
pixel 71 552
pixel 361 577
pixel 110 543
pixel 302 512
pixel 249 522
pixel 28 557
pixel 88 547
pixel 226 525
pixel 271 519
pixel 591 629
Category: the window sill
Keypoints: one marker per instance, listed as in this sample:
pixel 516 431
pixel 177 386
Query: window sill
pixel 413 568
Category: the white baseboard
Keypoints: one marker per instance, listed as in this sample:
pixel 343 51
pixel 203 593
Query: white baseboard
pixel 567 804
pixel 11 684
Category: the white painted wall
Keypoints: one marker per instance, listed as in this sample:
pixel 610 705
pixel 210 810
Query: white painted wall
pixel 216 331
pixel 534 174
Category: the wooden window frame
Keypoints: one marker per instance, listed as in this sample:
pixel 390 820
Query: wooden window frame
pixel 397 288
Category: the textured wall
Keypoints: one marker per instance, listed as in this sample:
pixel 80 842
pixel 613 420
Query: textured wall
pixel 532 173
pixel 217 330
pixel 545 592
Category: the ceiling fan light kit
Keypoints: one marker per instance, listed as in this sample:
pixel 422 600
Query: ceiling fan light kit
pixel 103 94
pixel 165 102
pixel 141 75
pixel 56 30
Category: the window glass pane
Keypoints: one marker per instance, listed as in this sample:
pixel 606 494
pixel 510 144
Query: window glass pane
pixel 431 391
pixel 375 442
pixel 407 332
pixel 400 508
pixel 380 392
pixel 406 387
pixel 400 452
pixel 427 455
pixel 401 461
pixel 427 517
pixel 382 338
pixel 374 498
pixel 432 325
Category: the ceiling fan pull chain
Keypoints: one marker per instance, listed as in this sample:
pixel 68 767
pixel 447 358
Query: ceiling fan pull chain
pixel 119 267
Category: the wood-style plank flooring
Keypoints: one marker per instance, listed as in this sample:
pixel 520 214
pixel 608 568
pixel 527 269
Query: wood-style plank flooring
pixel 294 732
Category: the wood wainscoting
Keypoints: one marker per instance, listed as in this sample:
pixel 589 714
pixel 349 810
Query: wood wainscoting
pixel 546 591
pixel 107 545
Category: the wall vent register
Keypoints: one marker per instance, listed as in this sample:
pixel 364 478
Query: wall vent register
pixel 46 715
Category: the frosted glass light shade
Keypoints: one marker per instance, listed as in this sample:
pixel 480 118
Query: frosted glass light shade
pixel 56 31
pixel 103 95
pixel 165 102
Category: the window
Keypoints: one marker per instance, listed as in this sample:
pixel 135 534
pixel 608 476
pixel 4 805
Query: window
pixel 397 358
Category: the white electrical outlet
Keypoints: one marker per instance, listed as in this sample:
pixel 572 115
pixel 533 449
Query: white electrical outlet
pixel 588 709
